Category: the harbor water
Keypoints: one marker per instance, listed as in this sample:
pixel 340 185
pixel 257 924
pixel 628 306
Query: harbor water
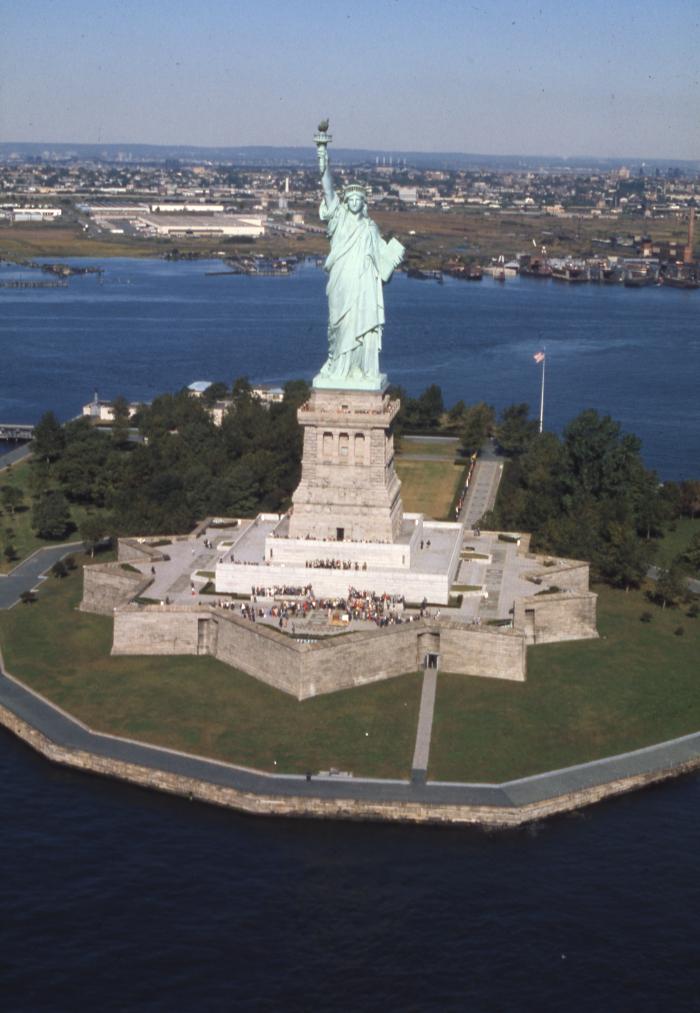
pixel 117 899
pixel 143 327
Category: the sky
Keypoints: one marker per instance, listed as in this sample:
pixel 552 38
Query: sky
pixel 611 78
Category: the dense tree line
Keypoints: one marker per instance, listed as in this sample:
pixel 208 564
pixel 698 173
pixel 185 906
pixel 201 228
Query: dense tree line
pixel 184 468
pixel 585 494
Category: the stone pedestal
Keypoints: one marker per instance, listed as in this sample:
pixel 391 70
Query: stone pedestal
pixel 349 489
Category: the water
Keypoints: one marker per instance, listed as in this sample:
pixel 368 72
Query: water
pixel 116 899
pixel 150 326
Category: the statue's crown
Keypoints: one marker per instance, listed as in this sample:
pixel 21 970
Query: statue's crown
pixel 355 188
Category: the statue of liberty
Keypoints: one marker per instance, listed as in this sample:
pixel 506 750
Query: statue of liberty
pixel 360 262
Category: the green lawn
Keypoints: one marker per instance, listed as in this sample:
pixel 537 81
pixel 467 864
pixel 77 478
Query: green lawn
pixel 429 487
pixel 430 448
pixel 17 528
pixel 637 685
pixel 200 705
pixel 674 542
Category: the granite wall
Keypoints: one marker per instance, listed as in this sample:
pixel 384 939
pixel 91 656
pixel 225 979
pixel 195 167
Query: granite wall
pixel 107 586
pixel 550 618
pixel 307 669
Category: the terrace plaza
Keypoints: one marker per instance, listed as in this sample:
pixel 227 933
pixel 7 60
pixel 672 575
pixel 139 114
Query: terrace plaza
pixel 347 526
pixel 492 576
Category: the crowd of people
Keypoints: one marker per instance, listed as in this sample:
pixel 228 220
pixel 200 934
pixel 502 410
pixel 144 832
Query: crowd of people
pixel 333 564
pixel 281 591
pixel 299 603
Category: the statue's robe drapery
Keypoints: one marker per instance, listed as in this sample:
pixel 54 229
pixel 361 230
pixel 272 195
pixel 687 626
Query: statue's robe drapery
pixel 357 265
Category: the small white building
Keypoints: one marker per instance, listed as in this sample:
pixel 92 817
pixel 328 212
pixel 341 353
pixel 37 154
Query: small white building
pixel 34 214
pixel 103 411
pixel 198 387
pixel 251 226
pixel 268 395
pixel 195 209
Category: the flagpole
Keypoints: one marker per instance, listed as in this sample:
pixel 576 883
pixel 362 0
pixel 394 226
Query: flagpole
pixel 544 363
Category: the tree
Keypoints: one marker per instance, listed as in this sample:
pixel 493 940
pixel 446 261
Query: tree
pixel 296 393
pixel 59 569
pixel 516 430
pixel 690 557
pixel 670 587
pixel 430 407
pixel 624 559
pixel 82 464
pixel 120 424
pixel 601 460
pixel 478 425
pixel 49 438
pixel 27 597
pixel 690 497
pixel 93 529
pixel 216 391
pixel 457 416
pixel 51 516
pixel 9 552
pixel 241 388
pixel 12 497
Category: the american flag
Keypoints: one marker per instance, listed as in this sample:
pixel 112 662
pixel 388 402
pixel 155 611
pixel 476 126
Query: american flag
pixel 538 357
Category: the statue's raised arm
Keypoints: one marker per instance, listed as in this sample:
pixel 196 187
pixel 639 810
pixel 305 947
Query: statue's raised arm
pixel 323 139
pixel 360 262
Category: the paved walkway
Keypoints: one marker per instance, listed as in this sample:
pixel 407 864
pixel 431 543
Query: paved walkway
pixel 425 724
pixel 31 571
pixel 14 456
pixel 71 734
pixel 654 572
pixel 481 494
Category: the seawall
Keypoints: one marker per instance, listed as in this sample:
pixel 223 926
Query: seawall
pixel 63 739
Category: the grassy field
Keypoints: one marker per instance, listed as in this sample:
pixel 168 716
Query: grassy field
pixel 428 448
pixel 431 236
pixel 199 705
pixel 28 241
pixel 637 685
pixel 17 528
pixel 428 487
pixel 674 542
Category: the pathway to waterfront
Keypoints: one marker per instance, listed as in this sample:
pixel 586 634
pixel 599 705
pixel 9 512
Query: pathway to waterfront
pixel 425 726
pixel 481 495
pixel 28 574
pixel 20 453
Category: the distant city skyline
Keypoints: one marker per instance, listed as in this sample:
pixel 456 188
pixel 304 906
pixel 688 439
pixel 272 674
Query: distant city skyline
pixel 604 80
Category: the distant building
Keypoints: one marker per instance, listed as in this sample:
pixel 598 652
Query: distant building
pixel 268 395
pixel 218 410
pixel 103 411
pixel 195 209
pixel 252 226
pixel 33 214
pixel 198 387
